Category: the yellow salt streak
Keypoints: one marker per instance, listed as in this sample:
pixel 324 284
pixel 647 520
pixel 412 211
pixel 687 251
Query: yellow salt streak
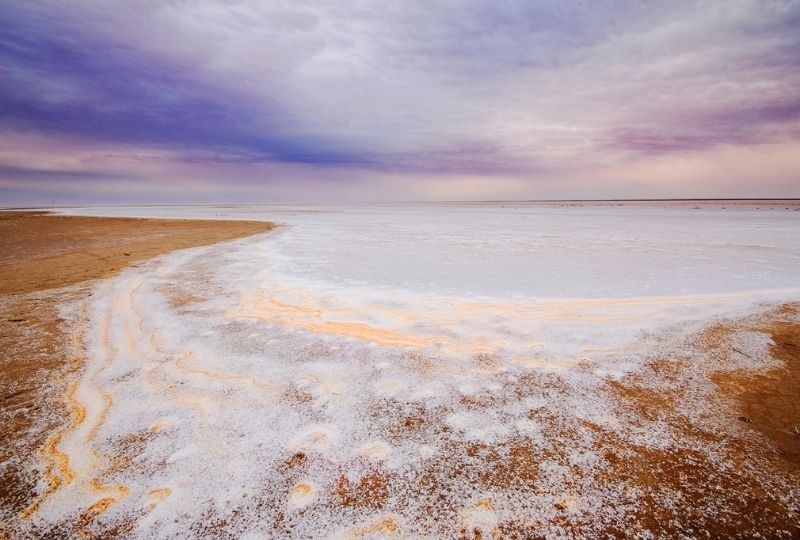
pixel 55 459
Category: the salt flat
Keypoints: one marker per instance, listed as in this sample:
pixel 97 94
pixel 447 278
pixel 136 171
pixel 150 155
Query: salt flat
pixel 473 370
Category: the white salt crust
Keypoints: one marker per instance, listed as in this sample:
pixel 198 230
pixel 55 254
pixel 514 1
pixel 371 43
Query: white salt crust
pixel 193 411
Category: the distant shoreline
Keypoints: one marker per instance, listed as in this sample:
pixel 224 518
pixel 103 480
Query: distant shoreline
pixel 489 202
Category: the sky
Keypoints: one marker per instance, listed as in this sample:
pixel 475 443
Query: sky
pixel 106 101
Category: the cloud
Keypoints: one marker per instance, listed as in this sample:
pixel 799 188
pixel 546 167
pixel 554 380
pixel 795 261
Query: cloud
pixel 495 89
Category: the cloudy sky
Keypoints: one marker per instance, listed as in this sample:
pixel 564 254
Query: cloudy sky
pixel 332 101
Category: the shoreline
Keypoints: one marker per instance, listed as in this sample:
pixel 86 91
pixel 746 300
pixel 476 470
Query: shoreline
pixel 795 201
pixel 47 263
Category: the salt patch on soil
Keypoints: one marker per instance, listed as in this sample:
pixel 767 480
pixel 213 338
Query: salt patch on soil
pixel 300 397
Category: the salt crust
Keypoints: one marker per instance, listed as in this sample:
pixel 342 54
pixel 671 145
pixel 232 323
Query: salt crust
pixel 207 405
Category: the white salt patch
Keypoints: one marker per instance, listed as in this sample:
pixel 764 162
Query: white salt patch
pixel 468 389
pixel 317 438
pixel 391 387
pixel 426 451
pixel 481 517
pixel 528 427
pixel 458 422
pixel 302 494
pixel 487 433
pixel 375 451
pixel 183 453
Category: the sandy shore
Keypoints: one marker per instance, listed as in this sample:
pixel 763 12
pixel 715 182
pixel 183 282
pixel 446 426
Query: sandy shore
pixel 47 261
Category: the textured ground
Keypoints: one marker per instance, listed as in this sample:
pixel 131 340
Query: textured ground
pixel 46 262
pixel 699 440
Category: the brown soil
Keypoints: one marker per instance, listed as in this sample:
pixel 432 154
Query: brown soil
pixel 770 399
pixel 756 437
pixel 46 261
pixel 40 251
pixel 725 478
pixel 371 491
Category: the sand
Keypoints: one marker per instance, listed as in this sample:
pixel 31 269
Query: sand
pixel 47 261
pixel 41 251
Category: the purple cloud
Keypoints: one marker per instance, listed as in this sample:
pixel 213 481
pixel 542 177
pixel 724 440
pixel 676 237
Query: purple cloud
pixel 536 89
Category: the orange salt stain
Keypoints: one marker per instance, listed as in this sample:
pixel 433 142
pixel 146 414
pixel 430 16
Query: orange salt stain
pixel 159 493
pixel 182 363
pixel 302 489
pixel 286 307
pixel 121 489
pixel 486 504
pixel 483 349
pixel 379 336
pixel 309 318
pixel 566 504
pixel 55 458
pixel 159 425
pixel 108 402
pixel 92 511
pixel 157 496
pixel 449 312
pixel 384 526
pixel 97 508
pixel 539 363
pixel 118 492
